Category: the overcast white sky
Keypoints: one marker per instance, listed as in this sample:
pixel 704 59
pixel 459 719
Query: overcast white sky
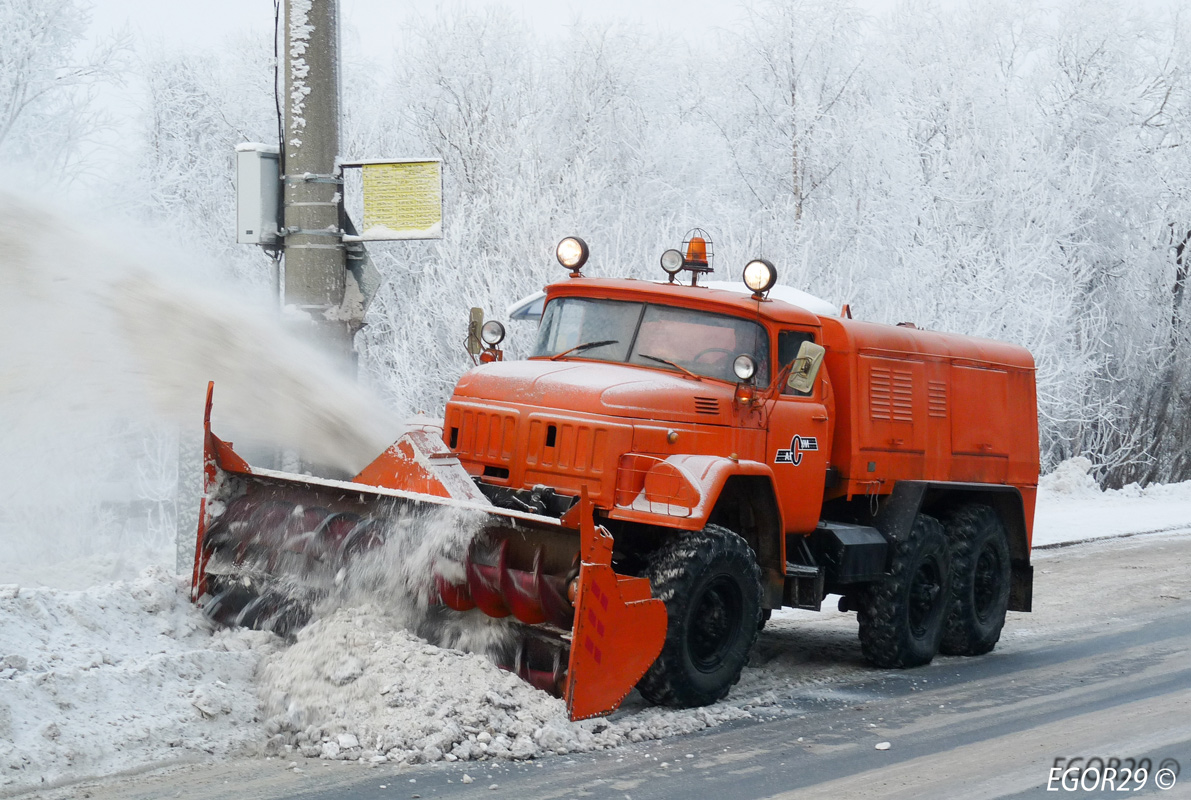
pixel 376 22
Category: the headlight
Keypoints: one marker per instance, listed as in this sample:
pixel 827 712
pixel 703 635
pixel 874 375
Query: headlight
pixel 744 367
pixel 759 276
pixel 572 253
pixel 671 262
pixel 493 333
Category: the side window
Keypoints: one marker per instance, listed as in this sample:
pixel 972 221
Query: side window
pixel 788 343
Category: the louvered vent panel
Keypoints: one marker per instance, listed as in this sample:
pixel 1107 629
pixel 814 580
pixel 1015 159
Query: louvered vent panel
pixel 707 405
pixel 467 432
pixel 936 394
pixel 903 396
pixel 880 393
pixel 488 436
pixel 891 395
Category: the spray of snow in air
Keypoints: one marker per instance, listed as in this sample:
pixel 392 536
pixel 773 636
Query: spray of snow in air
pixel 106 359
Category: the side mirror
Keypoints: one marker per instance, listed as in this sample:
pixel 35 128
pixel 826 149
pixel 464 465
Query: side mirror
pixel 806 367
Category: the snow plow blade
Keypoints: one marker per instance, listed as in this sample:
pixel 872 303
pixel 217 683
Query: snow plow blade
pixel 272 544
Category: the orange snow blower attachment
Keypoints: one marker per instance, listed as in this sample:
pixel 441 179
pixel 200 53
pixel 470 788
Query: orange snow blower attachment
pixel 611 622
pixel 272 544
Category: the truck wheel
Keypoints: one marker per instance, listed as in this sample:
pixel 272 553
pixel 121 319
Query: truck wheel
pixel 979 581
pixel 711 585
pixel 902 615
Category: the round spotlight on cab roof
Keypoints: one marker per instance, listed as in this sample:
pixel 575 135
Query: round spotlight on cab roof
pixel 760 276
pixel 492 332
pixel 672 262
pixel 572 253
pixel 744 367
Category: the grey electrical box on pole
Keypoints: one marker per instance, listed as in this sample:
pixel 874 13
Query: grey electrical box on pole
pixel 258 194
pixel 315 256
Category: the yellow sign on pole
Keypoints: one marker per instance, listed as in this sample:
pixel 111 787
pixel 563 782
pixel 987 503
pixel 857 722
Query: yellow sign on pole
pixel 402 199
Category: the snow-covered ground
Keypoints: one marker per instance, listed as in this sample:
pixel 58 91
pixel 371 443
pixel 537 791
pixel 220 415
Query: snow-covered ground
pixel 1071 508
pixel 124 675
pixel 118 676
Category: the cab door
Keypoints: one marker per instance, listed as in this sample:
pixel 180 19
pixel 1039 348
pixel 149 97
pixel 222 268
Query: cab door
pixel 798 443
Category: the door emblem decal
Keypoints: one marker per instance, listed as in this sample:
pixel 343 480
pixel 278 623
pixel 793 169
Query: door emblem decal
pixel 798 446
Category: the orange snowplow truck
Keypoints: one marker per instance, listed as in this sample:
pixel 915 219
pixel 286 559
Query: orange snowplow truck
pixel 671 464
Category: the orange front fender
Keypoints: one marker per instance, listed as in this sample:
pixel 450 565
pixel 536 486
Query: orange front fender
pixel 681 490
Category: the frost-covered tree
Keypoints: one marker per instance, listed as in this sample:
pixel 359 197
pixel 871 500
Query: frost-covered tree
pixel 197 107
pixel 796 70
pixel 48 84
pixel 999 170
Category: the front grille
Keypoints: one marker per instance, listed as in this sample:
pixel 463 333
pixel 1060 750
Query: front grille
pixel 707 405
pixel 486 435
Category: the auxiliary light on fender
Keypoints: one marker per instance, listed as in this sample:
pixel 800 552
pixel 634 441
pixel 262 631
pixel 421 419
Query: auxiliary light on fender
pixel 493 333
pixel 745 367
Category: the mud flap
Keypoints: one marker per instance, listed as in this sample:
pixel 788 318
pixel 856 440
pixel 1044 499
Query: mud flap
pixel 1021 587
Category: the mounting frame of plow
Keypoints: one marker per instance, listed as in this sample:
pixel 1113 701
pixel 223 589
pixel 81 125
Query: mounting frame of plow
pixel 260 528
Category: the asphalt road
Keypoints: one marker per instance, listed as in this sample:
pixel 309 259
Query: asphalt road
pixel 1101 668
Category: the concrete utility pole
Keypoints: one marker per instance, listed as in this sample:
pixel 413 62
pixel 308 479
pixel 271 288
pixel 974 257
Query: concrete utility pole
pixel 315 258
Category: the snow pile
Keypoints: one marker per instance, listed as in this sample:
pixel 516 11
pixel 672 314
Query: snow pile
pixel 1072 477
pixel 117 677
pixel 355 686
pixel 360 683
pixel 1072 507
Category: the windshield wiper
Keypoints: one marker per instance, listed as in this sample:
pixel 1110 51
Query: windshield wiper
pixel 672 364
pixel 579 348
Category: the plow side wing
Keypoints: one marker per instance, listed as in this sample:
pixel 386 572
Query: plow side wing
pixel 420 462
pixel 217 455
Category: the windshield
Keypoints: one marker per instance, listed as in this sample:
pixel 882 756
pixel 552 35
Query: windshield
pixel 662 337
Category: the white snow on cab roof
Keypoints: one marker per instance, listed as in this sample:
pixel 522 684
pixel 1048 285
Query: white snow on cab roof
pixel 530 306
pixel 785 294
pixel 527 308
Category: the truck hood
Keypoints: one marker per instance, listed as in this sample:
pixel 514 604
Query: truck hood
pixel 594 387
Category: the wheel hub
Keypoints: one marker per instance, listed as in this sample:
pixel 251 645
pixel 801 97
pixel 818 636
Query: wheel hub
pixel 714 623
pixel 985 581
pixel 924 592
